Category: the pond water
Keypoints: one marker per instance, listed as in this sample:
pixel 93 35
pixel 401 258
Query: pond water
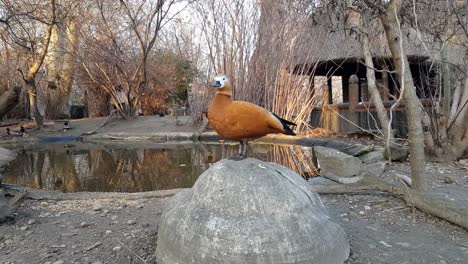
pixel 135 168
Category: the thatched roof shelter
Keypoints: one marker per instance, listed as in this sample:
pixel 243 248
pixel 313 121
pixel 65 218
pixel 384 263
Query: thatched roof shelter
pixel 324 42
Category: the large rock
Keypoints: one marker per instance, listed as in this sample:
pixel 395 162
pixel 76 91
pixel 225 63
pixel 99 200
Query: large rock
pixel 396 153
pixel 6 156
pixel 336 162
pixel 372 157
pixel 245 212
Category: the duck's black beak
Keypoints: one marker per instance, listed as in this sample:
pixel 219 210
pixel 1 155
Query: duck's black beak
pixel 216 84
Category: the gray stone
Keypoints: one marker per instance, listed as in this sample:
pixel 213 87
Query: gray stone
pixel 116 248
pixel 350 149
pixel 97 207
pixel 372 157
pixel 398 153
pixel 5 209
pixel 320 181
pixel 6 156
pixel 360 150
pixel 336 162
pixel 249 211
pixel 374 169
pixel 342 180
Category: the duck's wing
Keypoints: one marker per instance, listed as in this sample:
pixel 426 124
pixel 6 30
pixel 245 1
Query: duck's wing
pixel 259 114
pixel 284 121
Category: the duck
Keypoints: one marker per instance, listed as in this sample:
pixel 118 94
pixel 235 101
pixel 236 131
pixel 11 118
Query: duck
pixel 240 120
pixel 14 133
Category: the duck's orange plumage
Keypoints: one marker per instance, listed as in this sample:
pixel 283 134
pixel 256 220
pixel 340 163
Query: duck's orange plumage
pixel 239 120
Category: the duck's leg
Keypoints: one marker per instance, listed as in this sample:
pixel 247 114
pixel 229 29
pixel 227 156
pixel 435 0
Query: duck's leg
pixel 245 149
pixel 242 151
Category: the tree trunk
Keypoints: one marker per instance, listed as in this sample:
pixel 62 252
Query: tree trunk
pixel 372 85
pixel 392 29
pixel 32 93
pixel 9 99
pixel 61 67
pixel 36 65
pixel 460 120
pixel 98 102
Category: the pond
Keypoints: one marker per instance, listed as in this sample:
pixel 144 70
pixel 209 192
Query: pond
pixel 135 168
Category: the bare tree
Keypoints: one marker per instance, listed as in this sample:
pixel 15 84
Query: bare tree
pixel 116 58
pixel 391 24
pixel 9 99
pixel 388 12
pixel 61 60
pixel 24 20
pixel 364 28
pixel 446 23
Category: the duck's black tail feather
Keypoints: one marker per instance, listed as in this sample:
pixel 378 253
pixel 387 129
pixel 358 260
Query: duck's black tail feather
pixel 286 124
pixel 288 130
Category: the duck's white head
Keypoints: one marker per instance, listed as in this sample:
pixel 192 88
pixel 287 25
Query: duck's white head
pixel 221 81
pixel 222 84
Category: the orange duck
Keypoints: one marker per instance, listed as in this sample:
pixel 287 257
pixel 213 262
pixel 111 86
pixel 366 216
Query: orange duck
pixel 240 120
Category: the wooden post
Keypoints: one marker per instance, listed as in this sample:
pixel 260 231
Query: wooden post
pixel 353 92
pixel 353 115
pixel 385 83
pixel 446 82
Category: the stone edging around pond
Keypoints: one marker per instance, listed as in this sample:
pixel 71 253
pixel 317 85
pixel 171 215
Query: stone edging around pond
pixel 174 137
pixel 39 194
pixel 185 137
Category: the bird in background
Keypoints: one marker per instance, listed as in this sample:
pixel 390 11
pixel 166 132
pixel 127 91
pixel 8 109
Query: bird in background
pixel 242 121
pixel 21 133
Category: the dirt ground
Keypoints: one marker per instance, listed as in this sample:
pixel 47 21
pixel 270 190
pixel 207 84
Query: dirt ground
pixel 381 228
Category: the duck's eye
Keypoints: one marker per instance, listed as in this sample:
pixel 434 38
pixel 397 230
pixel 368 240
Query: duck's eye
pixel 224 79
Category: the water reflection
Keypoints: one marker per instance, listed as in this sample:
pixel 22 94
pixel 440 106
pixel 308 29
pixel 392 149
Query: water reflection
pixel 84 167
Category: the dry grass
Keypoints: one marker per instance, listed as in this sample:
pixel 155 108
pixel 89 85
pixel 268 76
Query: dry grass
pixel 292 98
pixel 317 132
pixel 297 158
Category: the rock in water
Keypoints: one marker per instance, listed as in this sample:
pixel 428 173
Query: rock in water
pixel 249 211
pixel 6 156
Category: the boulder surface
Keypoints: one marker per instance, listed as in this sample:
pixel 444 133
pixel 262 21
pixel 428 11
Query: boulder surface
pixel 249 211
pixel 336 162
pixel 6 156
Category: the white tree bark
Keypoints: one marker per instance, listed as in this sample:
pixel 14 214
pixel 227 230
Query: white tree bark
pixel 390 22
pixel 372 84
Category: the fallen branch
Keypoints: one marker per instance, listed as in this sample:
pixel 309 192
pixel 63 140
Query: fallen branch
pixel 101 125
pixel 7 208
pixel 438 206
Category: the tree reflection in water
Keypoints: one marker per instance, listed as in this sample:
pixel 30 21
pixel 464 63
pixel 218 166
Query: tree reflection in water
pixel 84 167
